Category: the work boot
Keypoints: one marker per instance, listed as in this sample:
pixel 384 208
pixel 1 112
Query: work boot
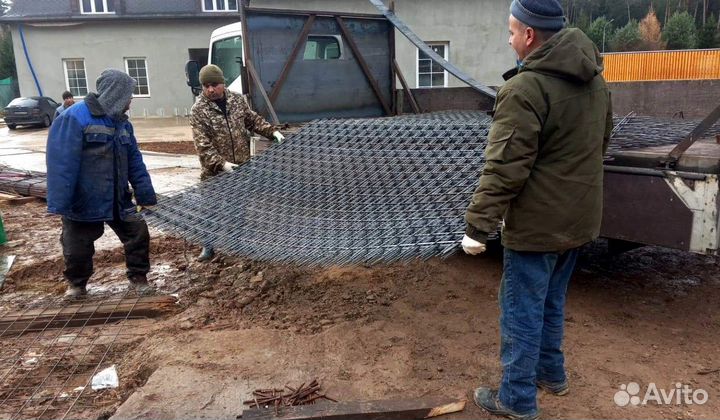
pixel 140 284
pixel 206 254
pixel 489 400
pixel 75 292
pixel 556 388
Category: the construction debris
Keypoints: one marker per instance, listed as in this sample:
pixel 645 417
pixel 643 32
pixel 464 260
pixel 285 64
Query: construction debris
pixel 359 410
pixel 106 378
pixel 288 397
pixel 6 262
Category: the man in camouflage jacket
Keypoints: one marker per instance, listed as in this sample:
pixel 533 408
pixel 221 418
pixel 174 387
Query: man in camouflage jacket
pixel 221 123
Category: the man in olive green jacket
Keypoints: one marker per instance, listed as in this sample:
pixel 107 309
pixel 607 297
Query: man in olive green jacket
pixel 544 177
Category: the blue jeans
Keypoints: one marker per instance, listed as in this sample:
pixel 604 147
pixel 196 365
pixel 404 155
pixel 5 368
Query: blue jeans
pixel 532 303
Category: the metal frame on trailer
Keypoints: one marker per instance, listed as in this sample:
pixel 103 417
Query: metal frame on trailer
pixel 389 105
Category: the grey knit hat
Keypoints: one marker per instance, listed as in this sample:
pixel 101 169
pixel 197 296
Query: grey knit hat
pixel 539 14
pixel 114 89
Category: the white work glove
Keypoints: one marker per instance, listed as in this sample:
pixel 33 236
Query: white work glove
pixel 229 167
pixel 278 137
pixel 472 247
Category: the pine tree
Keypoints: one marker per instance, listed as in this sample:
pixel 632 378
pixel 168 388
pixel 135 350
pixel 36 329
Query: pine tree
pixel 628 38
pixel 680 32
pixel 7 57
pixel 709 37
pixel 596 30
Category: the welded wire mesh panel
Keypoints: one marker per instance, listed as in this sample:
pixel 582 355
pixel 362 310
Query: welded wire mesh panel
pixel 342 191
pixel 360 190
pixel 51 350
pixel 639 132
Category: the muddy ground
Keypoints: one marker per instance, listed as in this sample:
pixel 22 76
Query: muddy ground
pixel 405 330
pixel 173 147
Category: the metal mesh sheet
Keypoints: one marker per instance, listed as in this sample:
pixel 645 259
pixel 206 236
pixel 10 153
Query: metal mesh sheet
pixel 50 353
pixel 638 132
pixel 357 191
pixel 342 191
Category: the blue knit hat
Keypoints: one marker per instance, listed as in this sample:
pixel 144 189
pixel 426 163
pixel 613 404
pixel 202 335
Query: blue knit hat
pixel 539 14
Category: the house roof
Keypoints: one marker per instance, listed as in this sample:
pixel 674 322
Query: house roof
pixel 69 10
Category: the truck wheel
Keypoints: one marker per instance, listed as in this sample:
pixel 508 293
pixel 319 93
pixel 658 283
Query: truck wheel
pixel 46 121
pixel 12 126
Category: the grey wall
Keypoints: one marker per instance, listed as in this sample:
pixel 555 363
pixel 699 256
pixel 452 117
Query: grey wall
pixel 476 29
pixel 694 98
pixel 164 44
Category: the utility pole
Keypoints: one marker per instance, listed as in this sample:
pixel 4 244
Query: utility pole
pixel 628 7
pixel 605 27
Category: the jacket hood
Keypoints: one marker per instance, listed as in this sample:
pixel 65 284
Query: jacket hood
pixel 570 55
pixel 114 91
pixel 97 110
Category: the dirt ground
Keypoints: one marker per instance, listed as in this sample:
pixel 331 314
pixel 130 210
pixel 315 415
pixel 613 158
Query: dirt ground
pixel 173 147
pixel 404 330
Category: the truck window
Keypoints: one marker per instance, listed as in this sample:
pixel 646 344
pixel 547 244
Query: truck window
pixel 227 54
pixel 322 47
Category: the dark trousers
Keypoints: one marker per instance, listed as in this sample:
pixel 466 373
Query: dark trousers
pixel 78 244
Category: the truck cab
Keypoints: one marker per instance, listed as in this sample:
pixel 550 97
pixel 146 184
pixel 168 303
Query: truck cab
pixel 226 52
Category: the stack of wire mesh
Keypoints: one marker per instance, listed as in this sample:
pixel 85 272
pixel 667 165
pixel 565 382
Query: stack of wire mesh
pixel 342 191
pixel 360 190
pixel 21 182
pixel 634 132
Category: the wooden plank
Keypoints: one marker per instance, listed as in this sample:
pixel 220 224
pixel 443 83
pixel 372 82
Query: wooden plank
pixel 406 88
pixel 363 64
pixel 406 409
pixel 261 89
pixel 18 200
pixel 291 59
pixel 85 314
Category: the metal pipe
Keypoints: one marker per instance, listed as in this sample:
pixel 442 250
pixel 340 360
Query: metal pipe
pixel 654 172
pixel 27 58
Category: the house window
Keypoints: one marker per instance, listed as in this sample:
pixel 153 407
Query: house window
pixel 97 6
pixel 323 47
pixel 220 5
pixel 429 73
pixel 137 69
pixel 75 76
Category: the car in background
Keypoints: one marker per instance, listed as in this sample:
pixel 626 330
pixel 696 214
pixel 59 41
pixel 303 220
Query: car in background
pixel 34 110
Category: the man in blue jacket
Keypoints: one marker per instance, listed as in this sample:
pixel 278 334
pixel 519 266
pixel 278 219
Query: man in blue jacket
pixel 92 159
